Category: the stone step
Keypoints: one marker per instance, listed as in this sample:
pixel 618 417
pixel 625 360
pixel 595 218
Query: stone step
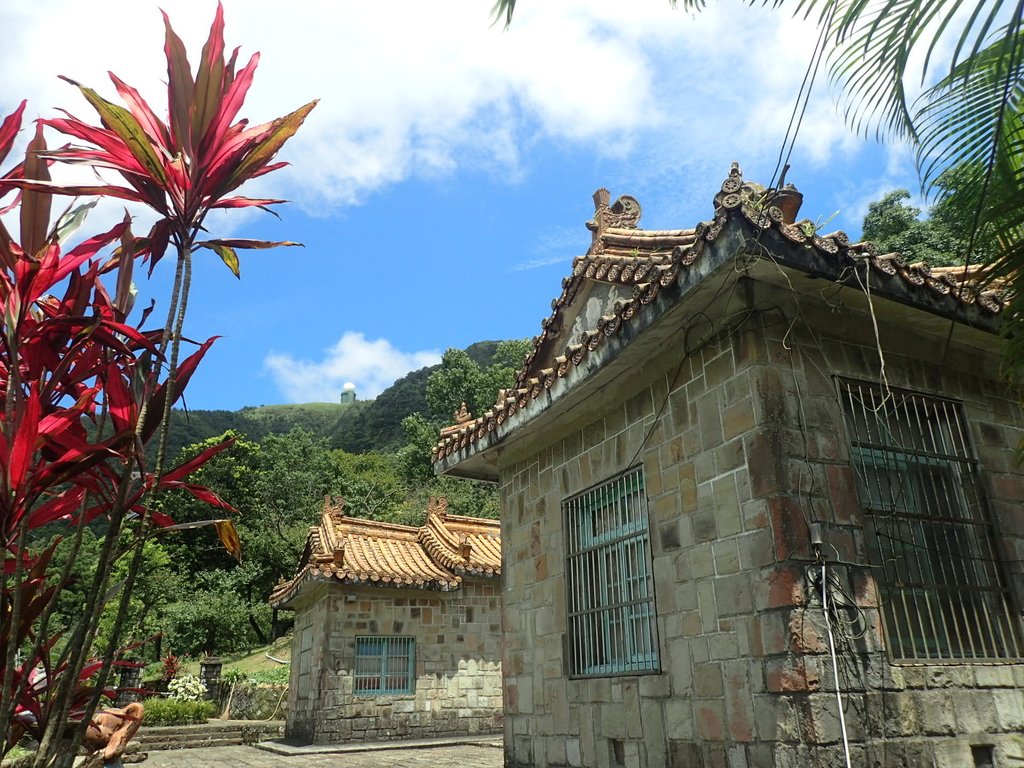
pixel 212 734
pixel 163 746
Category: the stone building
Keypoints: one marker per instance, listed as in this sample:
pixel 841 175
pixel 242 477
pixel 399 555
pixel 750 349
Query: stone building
pixel 761 505
pixel 397 629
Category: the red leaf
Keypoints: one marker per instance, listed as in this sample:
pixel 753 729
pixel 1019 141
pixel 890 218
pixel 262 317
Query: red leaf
pixel 190 466
pixel 209 79
pixel 35 204
pixel 151 124
pixel 231 102
pixel 23 446
pixel 120 402
pixel 179 87
pixel 107 190
pixel 9 129
pixel 246 202
pixel 244 243
pixel 57 507
pixel 184 373
pixel 204 494
pixel 161 519
pixel 159 237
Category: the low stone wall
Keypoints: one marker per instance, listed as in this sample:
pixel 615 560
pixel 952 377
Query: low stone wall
pixel 254 701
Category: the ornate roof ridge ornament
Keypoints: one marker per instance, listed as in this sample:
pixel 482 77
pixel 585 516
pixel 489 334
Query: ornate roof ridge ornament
pixel 624 213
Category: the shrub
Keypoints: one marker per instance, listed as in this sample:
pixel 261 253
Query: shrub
pixel 273 676
pixel 186 688
pixel 171 667
pixel 177 712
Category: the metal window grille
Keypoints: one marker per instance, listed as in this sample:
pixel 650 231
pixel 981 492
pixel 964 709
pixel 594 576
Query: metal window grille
pixel 929 535
pixel 305 663
pixel 612 624
pixel 385 665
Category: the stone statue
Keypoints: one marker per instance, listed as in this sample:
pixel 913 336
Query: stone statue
pixel 109 732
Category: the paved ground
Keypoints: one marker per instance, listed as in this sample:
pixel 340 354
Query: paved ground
pixel 249 757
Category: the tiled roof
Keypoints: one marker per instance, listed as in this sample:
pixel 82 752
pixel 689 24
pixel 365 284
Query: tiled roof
pixel 357 551
pixel 646 261
pixel 463 545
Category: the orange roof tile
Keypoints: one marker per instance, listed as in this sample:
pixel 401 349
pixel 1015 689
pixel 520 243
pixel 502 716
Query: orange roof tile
pixel 357 551
pixel 649 260
pixel 464 545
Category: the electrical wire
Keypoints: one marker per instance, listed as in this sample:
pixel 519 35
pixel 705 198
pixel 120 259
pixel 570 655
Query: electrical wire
pixel 835 663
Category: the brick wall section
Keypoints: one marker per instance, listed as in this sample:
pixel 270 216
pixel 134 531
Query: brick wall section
pixel 746 442
pixel 458 664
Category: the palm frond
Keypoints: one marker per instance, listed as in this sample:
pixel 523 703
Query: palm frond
pixel 873 45
pixel 967 118
pixel 503 8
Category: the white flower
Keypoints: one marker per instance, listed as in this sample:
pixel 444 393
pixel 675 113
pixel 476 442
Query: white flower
pixel 186 688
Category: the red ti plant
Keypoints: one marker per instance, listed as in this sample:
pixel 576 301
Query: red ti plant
pixel 74 378
pixel 170 667
pixel 83 389
pixel 187 165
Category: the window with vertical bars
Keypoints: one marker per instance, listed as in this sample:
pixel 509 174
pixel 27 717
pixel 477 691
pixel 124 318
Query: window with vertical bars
pixel 305 686
pixel 944 595
pixel 385 665
pixel 612 627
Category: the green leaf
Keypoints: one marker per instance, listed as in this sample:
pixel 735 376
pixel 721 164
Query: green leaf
pixel 283 129
pixel 229 257
pixel 72 220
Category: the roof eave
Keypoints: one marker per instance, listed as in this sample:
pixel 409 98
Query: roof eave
pixel 479 459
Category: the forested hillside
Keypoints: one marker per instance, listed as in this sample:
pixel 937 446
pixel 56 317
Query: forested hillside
pixel 365 425
pixel 283 461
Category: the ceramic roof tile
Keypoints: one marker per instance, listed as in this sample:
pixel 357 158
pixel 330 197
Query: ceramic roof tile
pixel 464 545
pixel 435 556
pixel 649 260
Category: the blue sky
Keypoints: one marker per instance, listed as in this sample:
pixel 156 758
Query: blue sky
pixel 442 185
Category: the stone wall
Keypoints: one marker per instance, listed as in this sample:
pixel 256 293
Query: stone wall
pixel 254 701
pixel 458 686
pixel 742 442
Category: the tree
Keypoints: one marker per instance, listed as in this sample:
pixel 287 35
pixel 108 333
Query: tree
pixel 892 225
pixel 971 119
pixel 278 486
pixel 371 484
pixel 461 380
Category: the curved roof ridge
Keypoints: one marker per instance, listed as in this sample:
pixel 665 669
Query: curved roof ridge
pixel 359 551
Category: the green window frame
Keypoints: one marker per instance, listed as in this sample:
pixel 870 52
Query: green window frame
pixel 930 538
pixel 609 578
pixel 384 665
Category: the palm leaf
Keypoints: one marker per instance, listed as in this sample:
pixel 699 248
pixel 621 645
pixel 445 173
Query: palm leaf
pixel 963 116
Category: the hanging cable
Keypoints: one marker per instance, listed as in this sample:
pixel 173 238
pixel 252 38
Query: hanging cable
pixel 835 663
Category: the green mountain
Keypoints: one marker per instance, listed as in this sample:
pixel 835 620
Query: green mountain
pixel 365 425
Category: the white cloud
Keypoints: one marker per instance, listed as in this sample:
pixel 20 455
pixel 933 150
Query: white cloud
pixel 372 365
pixel 425 89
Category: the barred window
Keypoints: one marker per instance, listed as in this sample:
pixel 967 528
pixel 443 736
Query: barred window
pixel 612 627
pixel 305 681
pixel 385 665
pixel 943 592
